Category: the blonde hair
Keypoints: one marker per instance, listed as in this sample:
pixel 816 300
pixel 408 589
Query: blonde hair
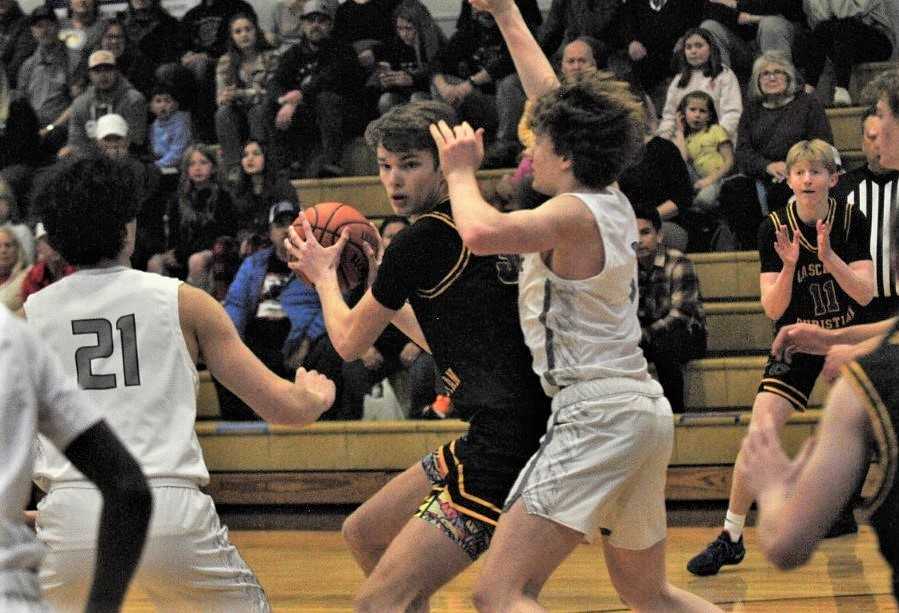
pixel 815 150
pixel 22 261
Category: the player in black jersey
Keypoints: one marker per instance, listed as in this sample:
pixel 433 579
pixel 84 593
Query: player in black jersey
pixel 463 307
pixel 815 268
pixel 798 500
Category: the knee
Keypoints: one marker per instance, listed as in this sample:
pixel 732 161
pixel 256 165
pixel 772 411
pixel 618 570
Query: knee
pixel 355 532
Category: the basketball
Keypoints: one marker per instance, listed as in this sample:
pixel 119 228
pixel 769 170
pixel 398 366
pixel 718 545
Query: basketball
pixel 328 219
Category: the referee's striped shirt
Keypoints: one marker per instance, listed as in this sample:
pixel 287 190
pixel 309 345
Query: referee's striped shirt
pixel 876 196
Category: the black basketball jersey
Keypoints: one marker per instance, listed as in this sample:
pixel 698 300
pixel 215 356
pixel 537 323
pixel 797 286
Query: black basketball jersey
pixel 817 298
pixel 874 377
pixel 467 306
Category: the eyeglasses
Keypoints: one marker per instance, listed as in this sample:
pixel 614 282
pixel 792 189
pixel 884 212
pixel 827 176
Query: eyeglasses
pixel 772 74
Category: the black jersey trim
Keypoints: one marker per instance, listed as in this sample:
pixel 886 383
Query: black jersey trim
pixel 884 433
pixel 458 267
pixel 462 501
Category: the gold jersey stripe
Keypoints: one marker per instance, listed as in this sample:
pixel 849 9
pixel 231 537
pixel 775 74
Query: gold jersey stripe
pixel 458 267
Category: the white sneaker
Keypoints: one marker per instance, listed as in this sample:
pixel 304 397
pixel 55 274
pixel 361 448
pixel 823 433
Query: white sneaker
pixel 841 97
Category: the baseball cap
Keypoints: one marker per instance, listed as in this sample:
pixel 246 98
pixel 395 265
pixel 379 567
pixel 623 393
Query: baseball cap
pixel 323 7
pixel 284 207
pixel 111 125
pixel 41 13
pixel 101 58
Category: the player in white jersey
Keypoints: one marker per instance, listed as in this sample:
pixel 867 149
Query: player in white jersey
pixel 602 464
pixel 37 396
pixel 131 339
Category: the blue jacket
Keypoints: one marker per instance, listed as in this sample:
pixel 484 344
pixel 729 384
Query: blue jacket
pixel 299 301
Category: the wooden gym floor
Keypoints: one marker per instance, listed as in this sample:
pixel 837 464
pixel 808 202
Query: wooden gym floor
pixel 312 571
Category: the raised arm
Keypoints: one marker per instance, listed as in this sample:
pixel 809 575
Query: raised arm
pixel 536 73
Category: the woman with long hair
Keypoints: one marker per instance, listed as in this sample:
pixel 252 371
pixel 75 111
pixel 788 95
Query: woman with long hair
pixel 701 69
pixel 13 268
pixel 241 84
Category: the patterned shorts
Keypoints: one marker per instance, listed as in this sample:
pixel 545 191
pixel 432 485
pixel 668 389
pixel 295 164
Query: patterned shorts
pixel 471 534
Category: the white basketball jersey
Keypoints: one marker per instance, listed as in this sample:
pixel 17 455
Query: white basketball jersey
pixel 118 333
pixel 586 329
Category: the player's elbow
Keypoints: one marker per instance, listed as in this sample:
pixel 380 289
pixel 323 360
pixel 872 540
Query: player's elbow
pixel 345 348
pixel 479 239
pixel 867 294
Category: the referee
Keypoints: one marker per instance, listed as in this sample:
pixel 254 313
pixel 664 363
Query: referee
pixel 874 189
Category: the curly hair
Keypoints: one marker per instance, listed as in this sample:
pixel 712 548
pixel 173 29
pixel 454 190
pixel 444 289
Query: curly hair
pixel 885 86
pixel 595 122
pixel 85 205
pixel 406 127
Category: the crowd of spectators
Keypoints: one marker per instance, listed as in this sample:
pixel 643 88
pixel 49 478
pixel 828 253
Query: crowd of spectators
pixel 217 115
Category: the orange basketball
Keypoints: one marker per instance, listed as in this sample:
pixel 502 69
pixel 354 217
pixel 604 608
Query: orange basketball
pixel 328 219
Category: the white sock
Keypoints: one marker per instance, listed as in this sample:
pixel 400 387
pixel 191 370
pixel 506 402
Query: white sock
pixel 733 523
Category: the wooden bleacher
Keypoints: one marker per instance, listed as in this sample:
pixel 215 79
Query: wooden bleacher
pixel 346 462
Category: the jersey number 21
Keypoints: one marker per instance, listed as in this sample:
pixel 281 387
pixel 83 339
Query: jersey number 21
pixel 104 347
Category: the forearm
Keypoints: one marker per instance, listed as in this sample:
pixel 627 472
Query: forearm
pixel 872 333
pixel 474 217
pixel 338 318
pixel 667 210
pixel 776 298
pixel 859 287
pixel 536 73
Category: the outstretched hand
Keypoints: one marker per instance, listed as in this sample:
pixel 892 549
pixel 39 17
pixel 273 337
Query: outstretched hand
pixel 308 257
pixel 461 149
pixel 800 338
pixel 765 465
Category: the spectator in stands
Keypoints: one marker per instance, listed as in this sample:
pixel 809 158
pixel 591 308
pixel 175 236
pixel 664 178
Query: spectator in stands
pixel 779 114
pixel 48 267
pixel 578 56
pixel 134 66
pixel 651 30
pixel 81 29
pixel 259 185
pixel 670 309
pixel 660 180
pixel 15 43
pixel 13 268
pixel 568 20
pixel 206 31
pixel 475 75
pixel 46 80
pixel 113 137
pixel 404 69
pixel 393 355
pixel 366 25
pixel 19 141
pixel 745 28
pixel 108 93
pixel 846 33
pixel 278 316
pixel 287 23
pixel 701 69
pixel 315 94
pixel 154 32
pixel 170 133
pixel 199 214
pixel 11 217
pixel 874 190
pixel 241 88
pixel 705 146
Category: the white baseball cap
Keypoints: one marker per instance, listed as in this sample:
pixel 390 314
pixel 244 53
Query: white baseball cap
pixel 112 125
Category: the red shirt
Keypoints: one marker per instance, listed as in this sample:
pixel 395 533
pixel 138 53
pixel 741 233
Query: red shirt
pixel 40 277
